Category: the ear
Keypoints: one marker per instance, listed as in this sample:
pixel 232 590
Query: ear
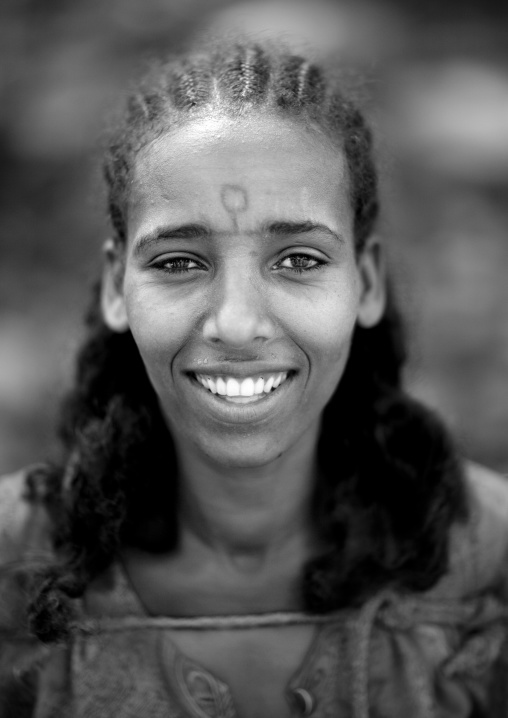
pixel 112 298
pixel 373 283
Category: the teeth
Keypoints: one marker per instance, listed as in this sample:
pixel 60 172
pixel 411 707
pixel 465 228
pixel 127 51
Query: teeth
pixel 221 386
pixel 268 385
pixel 248 387
pixel 232 387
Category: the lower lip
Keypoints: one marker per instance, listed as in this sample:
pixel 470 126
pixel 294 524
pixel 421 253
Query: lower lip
pixel 240 412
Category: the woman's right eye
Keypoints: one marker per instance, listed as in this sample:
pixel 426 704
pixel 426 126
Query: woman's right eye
pixel 178 265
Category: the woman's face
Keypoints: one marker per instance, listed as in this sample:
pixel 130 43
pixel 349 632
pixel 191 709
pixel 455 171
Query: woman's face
pixel 240 283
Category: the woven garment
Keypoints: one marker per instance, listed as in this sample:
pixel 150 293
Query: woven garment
pixel 436 655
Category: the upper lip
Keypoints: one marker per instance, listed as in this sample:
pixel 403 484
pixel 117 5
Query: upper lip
pixel 239 370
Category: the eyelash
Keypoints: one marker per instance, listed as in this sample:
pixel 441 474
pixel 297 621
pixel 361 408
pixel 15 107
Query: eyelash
pixel 319 263
pixel 177 267
pixel 177 263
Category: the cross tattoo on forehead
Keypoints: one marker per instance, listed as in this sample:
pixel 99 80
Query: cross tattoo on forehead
pixel 235 201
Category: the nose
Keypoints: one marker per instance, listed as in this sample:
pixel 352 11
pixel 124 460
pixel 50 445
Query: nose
pixel 237 314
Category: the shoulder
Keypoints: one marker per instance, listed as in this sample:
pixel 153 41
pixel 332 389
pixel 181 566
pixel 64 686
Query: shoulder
pixel 24 521
pixel 489 495
pixel 24 544
pixel 479 547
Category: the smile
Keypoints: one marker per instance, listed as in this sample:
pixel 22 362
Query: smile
pixel 242 391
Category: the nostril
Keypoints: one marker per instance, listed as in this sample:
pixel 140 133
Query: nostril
pixel 237 326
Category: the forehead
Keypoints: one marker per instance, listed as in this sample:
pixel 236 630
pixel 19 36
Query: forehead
pixel 257 165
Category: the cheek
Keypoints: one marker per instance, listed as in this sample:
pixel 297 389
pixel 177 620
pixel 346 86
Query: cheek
pixel 326 324
pixel 159 327
pixel 326 331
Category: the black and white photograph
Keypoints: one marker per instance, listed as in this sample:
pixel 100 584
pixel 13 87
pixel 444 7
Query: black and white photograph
pixel 254 359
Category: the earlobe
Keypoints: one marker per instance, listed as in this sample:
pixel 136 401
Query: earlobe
pixel 112 298
pixel 373 283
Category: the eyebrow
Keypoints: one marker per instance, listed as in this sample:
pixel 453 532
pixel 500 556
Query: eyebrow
pixel 278 229
pixel 202 231
pixel 184 231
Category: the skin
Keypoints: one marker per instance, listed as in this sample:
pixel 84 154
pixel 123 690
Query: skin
pixel 240 306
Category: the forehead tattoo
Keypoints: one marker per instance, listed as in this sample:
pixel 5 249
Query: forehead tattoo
pixel 234 200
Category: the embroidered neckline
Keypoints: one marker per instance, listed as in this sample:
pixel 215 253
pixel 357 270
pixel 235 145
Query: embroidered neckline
pixel 134 614
pixel 390 609
pixel 206 623
pixel 199 690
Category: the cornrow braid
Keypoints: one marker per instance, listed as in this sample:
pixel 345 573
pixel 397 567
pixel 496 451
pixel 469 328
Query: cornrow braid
pixel 117 483
pixel 244 76
pixel 310 84
pixel 137 106
pixel 300 84
pixel 358 147
pixel 190 86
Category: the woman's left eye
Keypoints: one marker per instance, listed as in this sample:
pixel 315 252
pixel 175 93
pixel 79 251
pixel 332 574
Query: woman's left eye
pixel 300 263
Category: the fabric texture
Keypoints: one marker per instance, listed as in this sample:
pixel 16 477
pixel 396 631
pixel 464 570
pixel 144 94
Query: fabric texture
pixel 442 654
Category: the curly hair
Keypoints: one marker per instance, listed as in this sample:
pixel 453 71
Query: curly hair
pixel 389 484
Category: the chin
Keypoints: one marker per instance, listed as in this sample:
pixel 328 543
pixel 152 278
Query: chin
pixel 248 453
pixel 259 449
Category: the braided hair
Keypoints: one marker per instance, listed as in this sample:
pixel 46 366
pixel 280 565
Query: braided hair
pixel 389 483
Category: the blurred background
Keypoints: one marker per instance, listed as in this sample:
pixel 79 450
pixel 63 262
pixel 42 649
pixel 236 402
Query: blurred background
pixel 439 103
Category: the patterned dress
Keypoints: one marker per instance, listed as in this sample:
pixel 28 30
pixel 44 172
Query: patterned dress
pixel 440 654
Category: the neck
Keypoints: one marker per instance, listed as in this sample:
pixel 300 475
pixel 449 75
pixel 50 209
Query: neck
pixel 248 514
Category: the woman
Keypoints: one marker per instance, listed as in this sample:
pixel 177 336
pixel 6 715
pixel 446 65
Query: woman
pixel 251 517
